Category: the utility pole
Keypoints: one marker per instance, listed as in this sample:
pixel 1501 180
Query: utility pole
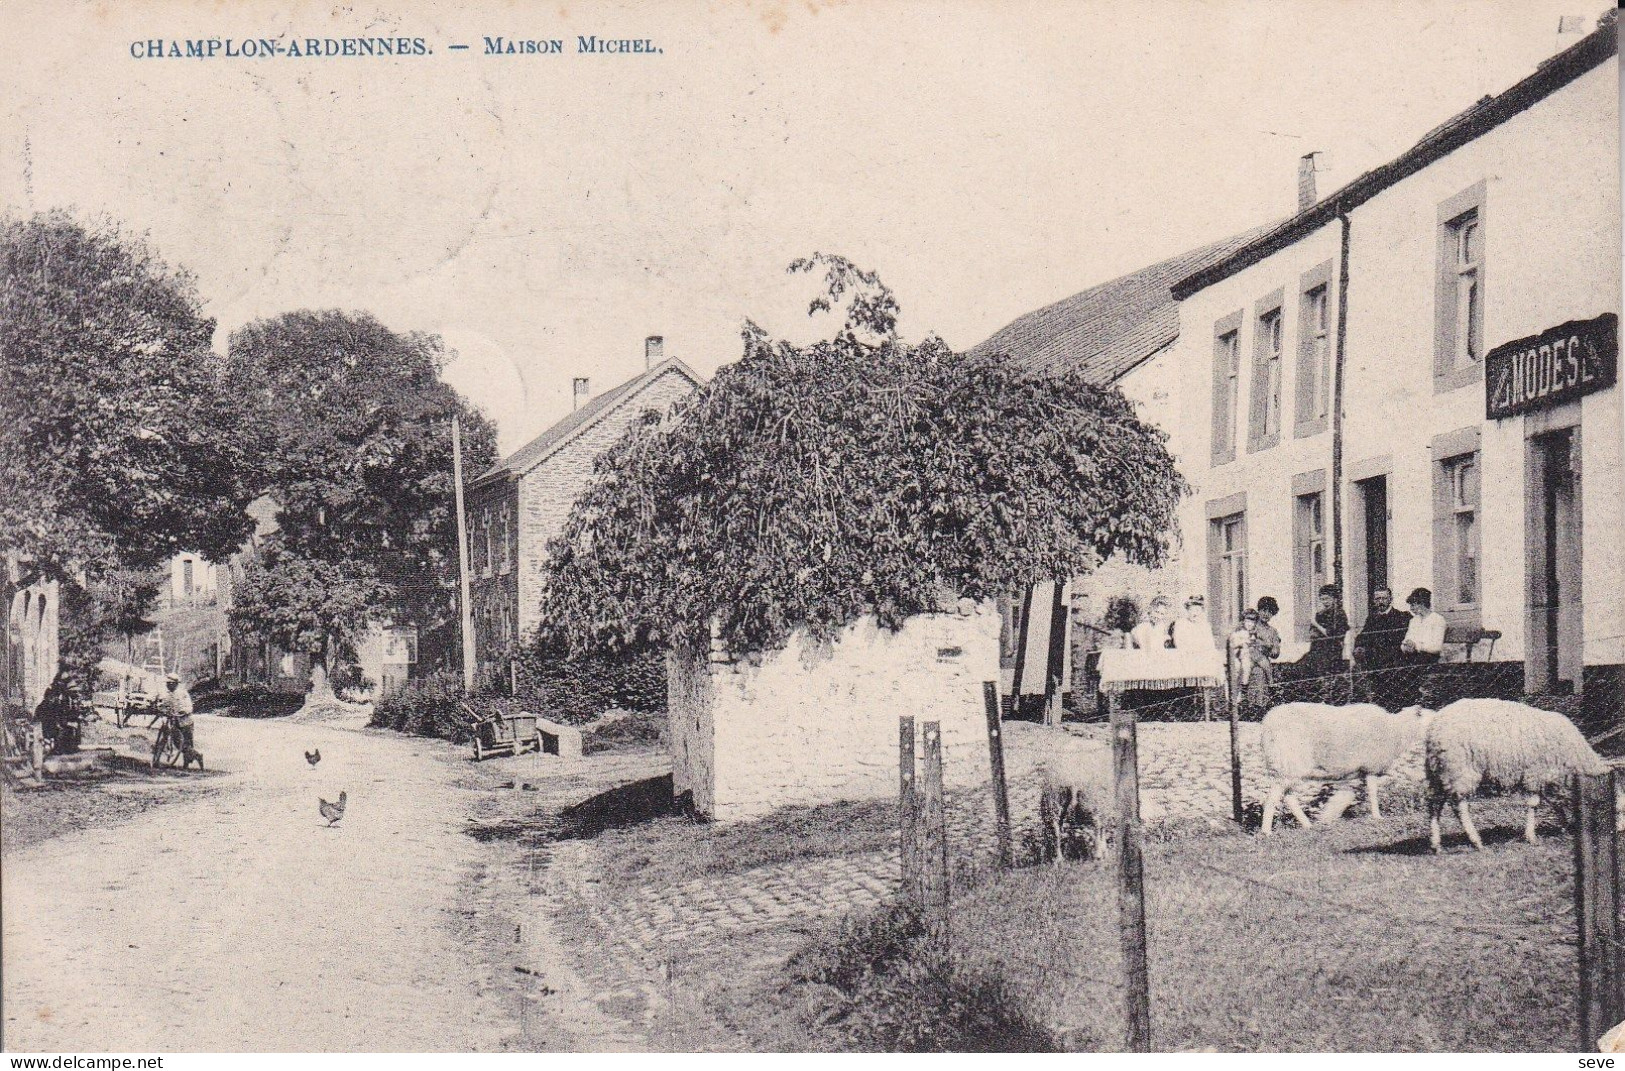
pixel 465 611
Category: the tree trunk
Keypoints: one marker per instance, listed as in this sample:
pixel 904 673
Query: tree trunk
pixel 321 685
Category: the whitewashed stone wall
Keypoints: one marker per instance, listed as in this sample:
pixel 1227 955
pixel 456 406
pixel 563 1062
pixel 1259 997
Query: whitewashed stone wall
pixel 817 723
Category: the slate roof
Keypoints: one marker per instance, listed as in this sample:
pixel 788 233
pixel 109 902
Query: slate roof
pixel 540 448
pixel 1597 48
pixel 1109 329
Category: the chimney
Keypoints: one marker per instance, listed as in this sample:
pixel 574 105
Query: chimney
pixel 654 351
pixel 578 392
pixel 1306 182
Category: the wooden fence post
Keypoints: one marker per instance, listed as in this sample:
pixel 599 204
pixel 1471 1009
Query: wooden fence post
pixel 908 808
pixel 1235 752
pixel 1001 789
pixel 1130 876
pixel 1596 907
pixel 934 849
pixel 1059 620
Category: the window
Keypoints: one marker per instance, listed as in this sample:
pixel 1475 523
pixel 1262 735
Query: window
pixel 1309 557
pixel 504 535
pixel 1459 293
pixel 1269 329
pixel 1232 394
pixel 1227 542
pixel 487 531
pixel 186 576
pixel 1314 384
pixel 1226 387
pixel 1457 534
pixel 1469 312
pixel 1265 426
pixel 1464 526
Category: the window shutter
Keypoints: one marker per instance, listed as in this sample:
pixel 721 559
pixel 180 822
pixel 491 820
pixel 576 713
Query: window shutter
pixel 1221 399
pixel 1215 571
pixel 1255 420
pixel 1308 373
pixel 1444 572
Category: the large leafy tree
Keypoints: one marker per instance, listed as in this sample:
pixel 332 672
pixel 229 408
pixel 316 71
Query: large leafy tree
pixel 118 445
pixel 305 604
pixel 808 486
pixel 358 456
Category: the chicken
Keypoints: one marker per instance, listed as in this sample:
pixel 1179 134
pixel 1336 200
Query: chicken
pixel 313 757
pixel 332 811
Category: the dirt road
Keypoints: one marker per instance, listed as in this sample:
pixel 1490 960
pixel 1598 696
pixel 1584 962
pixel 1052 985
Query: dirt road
pixel 238 921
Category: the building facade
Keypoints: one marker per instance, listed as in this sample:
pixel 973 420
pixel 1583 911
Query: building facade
pixel 1119 333
pixel 1413 383
pixel 517 507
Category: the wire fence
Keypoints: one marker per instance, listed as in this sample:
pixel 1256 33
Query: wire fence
pixel 1510 938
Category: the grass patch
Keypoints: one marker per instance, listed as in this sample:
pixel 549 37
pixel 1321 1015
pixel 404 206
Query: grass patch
pixel 1350 937
pixel 870 985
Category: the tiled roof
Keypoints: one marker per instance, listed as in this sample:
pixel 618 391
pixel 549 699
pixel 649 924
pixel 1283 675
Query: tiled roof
pixel 537 450
pixel 1490 112
pixel 1109 329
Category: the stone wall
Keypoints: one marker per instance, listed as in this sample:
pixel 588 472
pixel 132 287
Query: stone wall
pixel 816 723
pixel 548 491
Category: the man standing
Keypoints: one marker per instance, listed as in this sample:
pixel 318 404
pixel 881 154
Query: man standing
pixel 1424 636
pixel 1376 648
pixel 178 706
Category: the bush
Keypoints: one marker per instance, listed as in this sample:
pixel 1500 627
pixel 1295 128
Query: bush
pixel 878 985
pixel 427 706
pixel 808 487
pixel 578 690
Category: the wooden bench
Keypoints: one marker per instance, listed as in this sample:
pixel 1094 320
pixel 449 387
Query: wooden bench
pixel 1468 638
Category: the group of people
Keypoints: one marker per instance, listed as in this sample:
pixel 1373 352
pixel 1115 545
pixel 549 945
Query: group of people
pixel 1389 639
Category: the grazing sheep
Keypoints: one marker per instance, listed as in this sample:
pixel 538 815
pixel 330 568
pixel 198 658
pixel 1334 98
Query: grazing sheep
pixel 1505 745
pixel 1316 742
pixel 1077 786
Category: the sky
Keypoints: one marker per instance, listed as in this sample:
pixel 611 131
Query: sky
pixel 545 213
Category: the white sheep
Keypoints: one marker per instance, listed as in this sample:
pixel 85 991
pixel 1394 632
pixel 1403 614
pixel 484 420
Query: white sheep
pixel 1077 787
pixel 1317 742
pixel 1506 745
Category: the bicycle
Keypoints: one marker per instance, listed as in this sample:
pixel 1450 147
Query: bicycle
pixel 170 748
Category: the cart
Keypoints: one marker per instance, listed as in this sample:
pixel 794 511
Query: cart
pixel 511 734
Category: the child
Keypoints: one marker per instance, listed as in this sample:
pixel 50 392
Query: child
pixel 1192 632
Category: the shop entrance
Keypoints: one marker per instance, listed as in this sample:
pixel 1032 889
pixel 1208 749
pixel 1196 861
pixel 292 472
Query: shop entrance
pixel 1555 650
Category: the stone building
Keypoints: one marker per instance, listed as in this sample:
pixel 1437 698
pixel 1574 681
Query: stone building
pixel 1413 382
pixel 522 502
pixel 29 642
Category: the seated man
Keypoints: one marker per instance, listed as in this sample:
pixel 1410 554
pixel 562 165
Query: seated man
pixel 1424 636
pixel 1377 645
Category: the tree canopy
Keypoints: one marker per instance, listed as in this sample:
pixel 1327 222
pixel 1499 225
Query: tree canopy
pixel 809 486
pixel 118 445
pixel 357 431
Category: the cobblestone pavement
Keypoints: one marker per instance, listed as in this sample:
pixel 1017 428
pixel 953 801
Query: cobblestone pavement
pixel 751 921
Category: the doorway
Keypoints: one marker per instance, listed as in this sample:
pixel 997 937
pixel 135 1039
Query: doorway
pixel 1371 533
pixel 1555 628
